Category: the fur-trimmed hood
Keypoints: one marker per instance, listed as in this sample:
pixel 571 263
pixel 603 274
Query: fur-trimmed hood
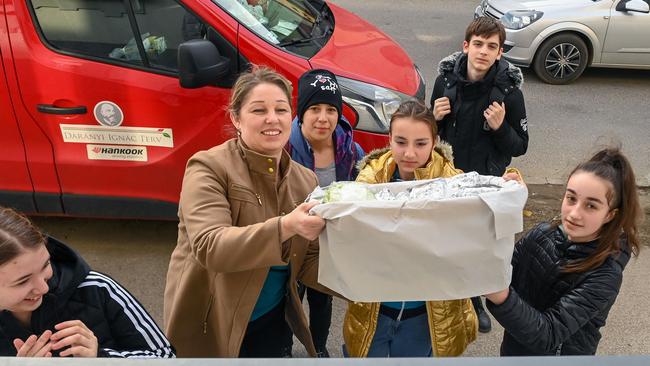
pixel 507 73
pixel 442 148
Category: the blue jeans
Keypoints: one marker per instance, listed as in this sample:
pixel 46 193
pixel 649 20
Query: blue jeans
pixel 404 338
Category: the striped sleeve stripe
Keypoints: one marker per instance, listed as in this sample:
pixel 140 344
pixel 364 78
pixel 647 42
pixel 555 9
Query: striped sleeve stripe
pixel 130 311
pixel 114 353
pixel 157 353
pixel 127 311
pixel 136 354
pixel 139 311
pixel 133 310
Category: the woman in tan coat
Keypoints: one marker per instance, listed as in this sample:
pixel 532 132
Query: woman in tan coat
pixel 409 328
pixel 245 237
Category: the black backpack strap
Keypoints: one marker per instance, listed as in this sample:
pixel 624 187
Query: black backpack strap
pixel 451 92
pixel 498 95
pixel 450 88
pixel 503 85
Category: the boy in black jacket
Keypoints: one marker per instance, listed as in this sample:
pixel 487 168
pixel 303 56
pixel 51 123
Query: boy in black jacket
pixel 478 104
pixel 480 109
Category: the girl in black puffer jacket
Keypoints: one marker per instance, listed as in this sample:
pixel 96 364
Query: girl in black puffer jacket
pixel 566 275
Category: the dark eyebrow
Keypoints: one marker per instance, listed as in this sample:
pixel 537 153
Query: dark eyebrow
pixel 47 262
pixel 593 199
pixel 417 140
pixel 490 43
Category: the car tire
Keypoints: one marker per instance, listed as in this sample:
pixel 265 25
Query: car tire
pixel 561 59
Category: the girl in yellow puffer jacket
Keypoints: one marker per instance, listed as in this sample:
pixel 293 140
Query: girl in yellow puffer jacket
pixel 409 328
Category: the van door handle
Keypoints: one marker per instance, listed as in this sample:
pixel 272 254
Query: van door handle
pixel 49 108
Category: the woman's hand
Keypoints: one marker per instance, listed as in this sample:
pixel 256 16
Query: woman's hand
pixel 34 346
pixel 74 333
pixel 300 222
pixel 498 297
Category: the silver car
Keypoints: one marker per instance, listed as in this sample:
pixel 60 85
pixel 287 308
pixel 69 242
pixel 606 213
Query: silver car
pixel 560 38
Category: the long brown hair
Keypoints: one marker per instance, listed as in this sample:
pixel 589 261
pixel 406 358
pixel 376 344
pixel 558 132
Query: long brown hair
pixel 17 233
pixel 613 167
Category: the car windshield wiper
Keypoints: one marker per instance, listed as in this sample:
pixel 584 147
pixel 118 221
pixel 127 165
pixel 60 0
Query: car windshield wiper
pixel 320 15
pixel 315 33
pixel 300 41
pixel 315 12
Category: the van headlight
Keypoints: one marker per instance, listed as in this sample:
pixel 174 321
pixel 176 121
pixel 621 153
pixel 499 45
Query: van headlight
pixel 518 19
pixel 374 105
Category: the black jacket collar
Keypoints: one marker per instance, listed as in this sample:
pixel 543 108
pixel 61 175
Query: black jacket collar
pixel 576 251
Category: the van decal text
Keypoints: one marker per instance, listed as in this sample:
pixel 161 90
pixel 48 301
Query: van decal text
pixel 144 136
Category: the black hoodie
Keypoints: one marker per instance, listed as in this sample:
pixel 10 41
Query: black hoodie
pixel 122 326
pixel 551 312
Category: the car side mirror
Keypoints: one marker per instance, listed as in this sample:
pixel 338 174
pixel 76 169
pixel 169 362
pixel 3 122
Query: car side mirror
pixel 638 6
pixel 200 64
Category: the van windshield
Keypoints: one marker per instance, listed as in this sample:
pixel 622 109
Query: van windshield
pixel 299 26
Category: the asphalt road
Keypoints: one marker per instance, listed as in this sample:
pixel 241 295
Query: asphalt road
pixel 566 123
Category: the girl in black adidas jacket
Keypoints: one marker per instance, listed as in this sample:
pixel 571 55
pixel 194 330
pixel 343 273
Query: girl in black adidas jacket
pixel 52 304
pixel 566 275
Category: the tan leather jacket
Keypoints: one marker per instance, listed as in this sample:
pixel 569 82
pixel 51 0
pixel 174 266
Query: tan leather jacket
pixel 453 323
pixel 228 238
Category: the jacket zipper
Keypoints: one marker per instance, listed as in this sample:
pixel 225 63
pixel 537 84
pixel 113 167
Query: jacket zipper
pixel 558 351
pixel 401 311
pixel 207 313
pixel 247 190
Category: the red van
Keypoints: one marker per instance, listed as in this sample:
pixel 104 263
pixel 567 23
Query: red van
pixel 103 101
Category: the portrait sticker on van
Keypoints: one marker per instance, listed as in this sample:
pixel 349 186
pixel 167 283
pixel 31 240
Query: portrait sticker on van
pixel 117 152
pixel 108 114
pixel 143 136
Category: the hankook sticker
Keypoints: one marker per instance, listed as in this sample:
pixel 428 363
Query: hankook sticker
pixel 117 152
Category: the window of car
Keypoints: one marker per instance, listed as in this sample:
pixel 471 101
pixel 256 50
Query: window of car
pixel 107 29
pixel 296 25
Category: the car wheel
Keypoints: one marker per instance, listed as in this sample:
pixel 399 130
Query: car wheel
pixel 561 59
